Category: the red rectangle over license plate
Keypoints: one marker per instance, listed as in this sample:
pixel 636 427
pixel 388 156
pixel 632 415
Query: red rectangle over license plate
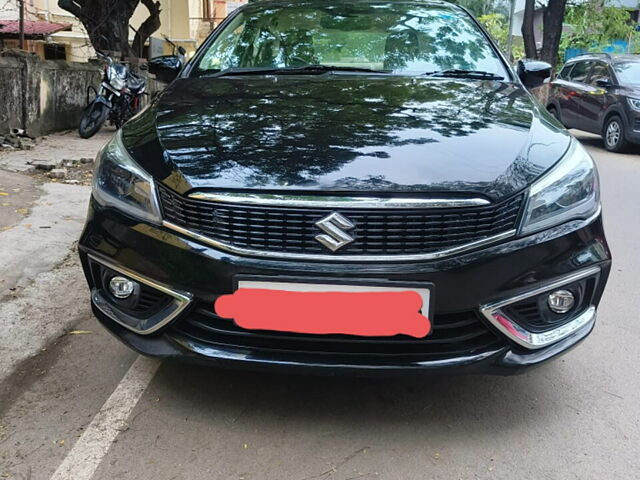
pixel 374 312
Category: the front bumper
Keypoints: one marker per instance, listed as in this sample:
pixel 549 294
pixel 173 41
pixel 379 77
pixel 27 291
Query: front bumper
pixel 633 127
pixel 463 284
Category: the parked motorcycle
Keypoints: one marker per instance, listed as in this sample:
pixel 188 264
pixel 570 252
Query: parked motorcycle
pixel 118 99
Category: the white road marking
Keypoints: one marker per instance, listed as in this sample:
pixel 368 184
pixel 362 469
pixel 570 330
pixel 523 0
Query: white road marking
pixel 85 456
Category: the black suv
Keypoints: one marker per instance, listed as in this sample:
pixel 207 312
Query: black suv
pixel 600 93
pixel 347 186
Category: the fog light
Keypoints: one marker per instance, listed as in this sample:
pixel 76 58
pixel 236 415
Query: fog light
pixel 121 287
pixel 561 301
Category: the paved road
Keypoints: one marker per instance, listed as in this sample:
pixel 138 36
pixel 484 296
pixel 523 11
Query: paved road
pixel 576 418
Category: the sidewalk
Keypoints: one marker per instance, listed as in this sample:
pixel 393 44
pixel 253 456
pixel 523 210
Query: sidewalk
pixel 55 148
pixel 41 221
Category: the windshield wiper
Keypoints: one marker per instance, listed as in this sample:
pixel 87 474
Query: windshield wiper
pixel 291 70
pixel 333 68
pixel 459 73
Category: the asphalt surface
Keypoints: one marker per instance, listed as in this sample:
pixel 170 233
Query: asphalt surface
pixel 578 417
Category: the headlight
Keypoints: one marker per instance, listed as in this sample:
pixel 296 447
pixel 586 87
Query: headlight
pixel 115 79
pixel 121 183
pixel 634 103
pixel 569 191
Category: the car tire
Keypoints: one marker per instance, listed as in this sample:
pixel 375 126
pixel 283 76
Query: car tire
pixel 613 135
pixel 92 119
pixel 555 113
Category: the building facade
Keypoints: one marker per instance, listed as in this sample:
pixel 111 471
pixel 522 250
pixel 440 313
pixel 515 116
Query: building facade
pixel 54 33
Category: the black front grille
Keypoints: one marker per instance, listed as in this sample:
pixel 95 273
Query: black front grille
pixel 453 335
pixel 376 232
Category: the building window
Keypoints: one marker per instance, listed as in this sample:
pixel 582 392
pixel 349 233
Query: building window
pixel 55 51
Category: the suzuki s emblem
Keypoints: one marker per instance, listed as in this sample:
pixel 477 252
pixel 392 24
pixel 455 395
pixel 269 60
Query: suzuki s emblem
pixel 335 236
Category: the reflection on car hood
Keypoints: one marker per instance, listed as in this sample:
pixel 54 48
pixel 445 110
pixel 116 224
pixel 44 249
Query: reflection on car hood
pixel 345 133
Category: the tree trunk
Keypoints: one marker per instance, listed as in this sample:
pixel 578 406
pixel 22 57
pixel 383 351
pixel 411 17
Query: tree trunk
pixel 528 35
pixel 552 30
pixel 150 25
pixel 107 23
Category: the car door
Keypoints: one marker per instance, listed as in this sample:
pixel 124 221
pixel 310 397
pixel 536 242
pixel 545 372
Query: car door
pixel 570 94
pixel 558 89
pixel 574 94
pixel 595 98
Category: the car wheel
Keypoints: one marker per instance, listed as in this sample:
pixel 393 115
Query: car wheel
pixel 613 135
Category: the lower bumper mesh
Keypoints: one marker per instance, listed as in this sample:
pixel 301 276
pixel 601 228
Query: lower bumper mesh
pixel 453 335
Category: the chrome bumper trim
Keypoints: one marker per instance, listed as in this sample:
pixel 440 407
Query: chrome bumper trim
pixel 180 300
pixel 533 340
pixel 339 258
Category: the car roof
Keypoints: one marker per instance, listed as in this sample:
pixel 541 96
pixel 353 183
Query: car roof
pixel 626 58
pixel 606 57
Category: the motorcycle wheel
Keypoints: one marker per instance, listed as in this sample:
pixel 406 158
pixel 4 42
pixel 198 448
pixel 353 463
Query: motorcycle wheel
pixel 92 119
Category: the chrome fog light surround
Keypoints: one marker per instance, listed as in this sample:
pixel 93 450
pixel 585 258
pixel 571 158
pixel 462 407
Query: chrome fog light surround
pixel 140 326
pixel 534 340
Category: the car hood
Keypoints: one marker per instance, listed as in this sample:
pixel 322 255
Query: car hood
pixel 631 90
pixel 349 133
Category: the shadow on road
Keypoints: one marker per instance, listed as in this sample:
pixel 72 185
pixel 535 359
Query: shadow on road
pixel 590 141
pixel 595 142
pixel 457 404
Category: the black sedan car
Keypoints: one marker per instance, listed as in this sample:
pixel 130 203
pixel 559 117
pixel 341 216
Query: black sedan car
pixel 361 187
pixel 600 93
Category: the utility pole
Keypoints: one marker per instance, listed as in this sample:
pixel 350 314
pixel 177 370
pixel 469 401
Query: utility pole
pixel 21 24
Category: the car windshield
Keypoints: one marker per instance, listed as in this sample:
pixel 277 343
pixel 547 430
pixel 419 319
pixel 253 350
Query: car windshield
pixel 628 72
pixel 401 38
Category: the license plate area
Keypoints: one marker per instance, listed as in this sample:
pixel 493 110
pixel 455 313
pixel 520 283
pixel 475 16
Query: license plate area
pixel 326 306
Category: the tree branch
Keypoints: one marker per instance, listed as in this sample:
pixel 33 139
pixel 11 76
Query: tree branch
pixel 74 8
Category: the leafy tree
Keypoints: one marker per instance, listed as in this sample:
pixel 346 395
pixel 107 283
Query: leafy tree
pixel 485 7
pixel 594 26
pixel 107 23
pixel 498 27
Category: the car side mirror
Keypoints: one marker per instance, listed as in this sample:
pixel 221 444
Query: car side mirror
pixel 166 68
pixel 533 73
pixel 603 82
